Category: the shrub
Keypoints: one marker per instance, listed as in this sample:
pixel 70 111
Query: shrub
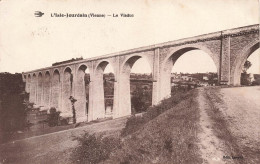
pixel 257 82
pixel 94 149
pixel 64 121
pixel 245 79
pixel 141 99
pixel 53 117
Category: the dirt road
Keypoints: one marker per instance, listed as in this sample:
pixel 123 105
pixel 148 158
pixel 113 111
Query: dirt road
pixel 55 147
pixel 210 145
pixel 230 119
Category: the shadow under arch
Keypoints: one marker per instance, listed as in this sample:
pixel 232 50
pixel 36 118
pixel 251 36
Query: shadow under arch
pixel 102 65
pixel 239 62
pixel 56 87
pixel 47 89
pixel 28 84
pixel 56 72
pixel 33 88
pixel 47 73
pixel 29 76
pixel 40 89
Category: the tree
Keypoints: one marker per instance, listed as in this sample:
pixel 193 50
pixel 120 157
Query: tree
pixel 141 99
pixel 245 78
pixel 246 66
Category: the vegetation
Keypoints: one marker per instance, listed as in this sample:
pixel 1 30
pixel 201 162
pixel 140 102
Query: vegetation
pixel 12 109
pixel 94 149
pixel 245 78
pixel 246 66
pixel 166 132
pixel 134 123
pixel 256 82
pixel 53 117
pixel 141 99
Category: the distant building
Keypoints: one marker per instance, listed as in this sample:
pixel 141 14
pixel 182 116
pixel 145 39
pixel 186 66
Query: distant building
pixel 206 78
pixel 203 83
pixel 186 78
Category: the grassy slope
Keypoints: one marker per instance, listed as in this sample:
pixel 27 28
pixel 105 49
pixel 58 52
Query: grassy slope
pixel 170 137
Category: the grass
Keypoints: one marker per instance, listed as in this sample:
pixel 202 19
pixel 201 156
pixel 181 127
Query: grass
pixel 135 123
pixel 169 137
pixel 222 131
pixel 167 133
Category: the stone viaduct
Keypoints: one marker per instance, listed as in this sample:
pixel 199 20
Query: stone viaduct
pixel 52 86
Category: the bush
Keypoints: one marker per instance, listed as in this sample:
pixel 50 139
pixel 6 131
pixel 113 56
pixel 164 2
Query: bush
pixel 94 149
pixel 53 117
pixel 64 121
pixel 254 83
pixel 245 79
pixel 141 100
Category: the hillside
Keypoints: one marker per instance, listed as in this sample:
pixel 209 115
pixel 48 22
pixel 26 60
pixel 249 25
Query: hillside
pixel 169 138
pixel 210 125
pixel 204 125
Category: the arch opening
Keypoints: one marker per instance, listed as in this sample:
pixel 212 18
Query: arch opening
pixel 46 89
pixel 40 89
pixel 136 77
pixel 66 110
pixel 28 84
pixel 103 87
pixel 188 68
pixel 33 89
pixel 56 90
pixel 82 82
pixel 249 69
pixel 108 85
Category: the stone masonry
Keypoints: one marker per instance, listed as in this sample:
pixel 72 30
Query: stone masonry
pixel 52 86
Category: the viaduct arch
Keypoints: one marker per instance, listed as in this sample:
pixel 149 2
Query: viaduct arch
pixel 52 86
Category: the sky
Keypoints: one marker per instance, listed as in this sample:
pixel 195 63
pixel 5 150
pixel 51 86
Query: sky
pixel 28 42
